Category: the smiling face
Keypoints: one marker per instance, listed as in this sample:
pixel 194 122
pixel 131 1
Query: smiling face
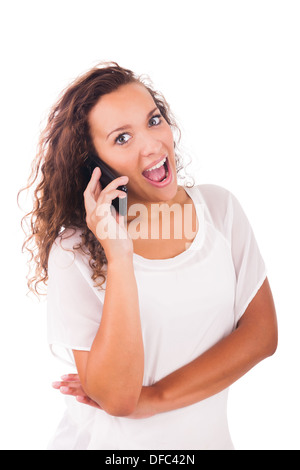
pixel 132 137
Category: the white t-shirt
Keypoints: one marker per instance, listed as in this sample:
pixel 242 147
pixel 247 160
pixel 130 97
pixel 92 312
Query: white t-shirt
pixel 187 304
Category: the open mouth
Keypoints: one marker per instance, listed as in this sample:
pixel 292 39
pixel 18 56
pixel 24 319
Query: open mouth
pixel 159 173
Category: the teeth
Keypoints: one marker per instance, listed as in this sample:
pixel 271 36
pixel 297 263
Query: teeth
pixel 158 165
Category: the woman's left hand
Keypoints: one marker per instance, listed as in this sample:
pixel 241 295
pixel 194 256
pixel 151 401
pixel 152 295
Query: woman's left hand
pixel 70 385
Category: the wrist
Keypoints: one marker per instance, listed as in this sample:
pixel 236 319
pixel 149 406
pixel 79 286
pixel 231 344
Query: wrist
pixel 125 259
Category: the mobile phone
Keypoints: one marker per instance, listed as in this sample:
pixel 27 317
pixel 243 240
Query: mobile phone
pixel 107 176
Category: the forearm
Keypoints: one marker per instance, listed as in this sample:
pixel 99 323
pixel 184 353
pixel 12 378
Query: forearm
pixel 213 371
pixel 115 367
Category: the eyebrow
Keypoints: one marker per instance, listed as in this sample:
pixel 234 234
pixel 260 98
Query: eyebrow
pixel 128 125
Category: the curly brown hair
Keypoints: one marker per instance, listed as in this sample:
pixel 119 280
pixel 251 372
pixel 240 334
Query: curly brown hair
pixel 58 170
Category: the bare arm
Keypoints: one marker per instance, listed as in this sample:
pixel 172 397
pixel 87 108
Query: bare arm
pixel 112 372
pixel 254 339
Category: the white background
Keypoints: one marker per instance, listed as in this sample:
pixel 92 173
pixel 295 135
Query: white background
pixel 231 72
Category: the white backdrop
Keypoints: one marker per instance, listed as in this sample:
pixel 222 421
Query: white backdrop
pixel 231 72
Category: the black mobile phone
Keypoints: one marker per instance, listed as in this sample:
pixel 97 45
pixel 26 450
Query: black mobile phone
pixel 107 175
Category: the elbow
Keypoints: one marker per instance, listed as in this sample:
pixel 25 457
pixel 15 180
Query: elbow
pixel 114 404
pixel 269 344
pixel 117 407
pixel 120 409
pixel 272 342
pixel 272 345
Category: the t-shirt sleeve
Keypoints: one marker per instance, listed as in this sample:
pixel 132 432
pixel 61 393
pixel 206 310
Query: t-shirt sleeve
pixel 248 262
pixel 73 307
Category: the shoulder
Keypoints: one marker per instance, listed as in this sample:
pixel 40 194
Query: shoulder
pixel 221 207
pixel 211 193
pixel 214 195
pixel 68 238
pixel 217 199
pixel 62 251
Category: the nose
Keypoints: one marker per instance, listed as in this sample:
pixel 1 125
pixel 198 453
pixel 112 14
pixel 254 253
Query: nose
pixel 149 144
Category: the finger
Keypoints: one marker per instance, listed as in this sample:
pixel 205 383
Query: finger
pixel 88 401
pixel 62 383
pixel 107 196
pixel 68 386
pixel 93 187
pixel 114 184
pixel 56 385
pixel 72 390
pixel 104 205
pixel 94 180
pixel 120 220
pixel 97 191
pixel 72 377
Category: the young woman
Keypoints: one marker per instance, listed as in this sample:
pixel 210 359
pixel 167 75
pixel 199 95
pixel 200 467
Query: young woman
pixel 160 310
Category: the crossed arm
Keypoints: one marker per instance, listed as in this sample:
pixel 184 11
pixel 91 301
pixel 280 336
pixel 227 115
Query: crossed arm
pixel 254 339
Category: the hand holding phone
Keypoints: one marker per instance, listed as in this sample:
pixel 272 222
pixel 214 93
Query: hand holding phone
pixel 110 229
pixel 107 176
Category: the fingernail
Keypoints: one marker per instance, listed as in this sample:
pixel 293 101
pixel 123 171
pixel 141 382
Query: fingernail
pixel 64 389
pixel 56 384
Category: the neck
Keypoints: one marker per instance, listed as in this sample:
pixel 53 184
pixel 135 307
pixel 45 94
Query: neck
pixel 147 210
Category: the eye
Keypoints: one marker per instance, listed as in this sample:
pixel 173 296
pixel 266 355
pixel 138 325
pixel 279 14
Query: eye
pixel 121 139
pixel 155 120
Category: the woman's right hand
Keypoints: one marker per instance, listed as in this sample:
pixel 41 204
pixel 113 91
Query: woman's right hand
pixel 109 230
pixel 146 406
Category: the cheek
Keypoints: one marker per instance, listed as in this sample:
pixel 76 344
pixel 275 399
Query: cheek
pixel 169 137
pixel 129 163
